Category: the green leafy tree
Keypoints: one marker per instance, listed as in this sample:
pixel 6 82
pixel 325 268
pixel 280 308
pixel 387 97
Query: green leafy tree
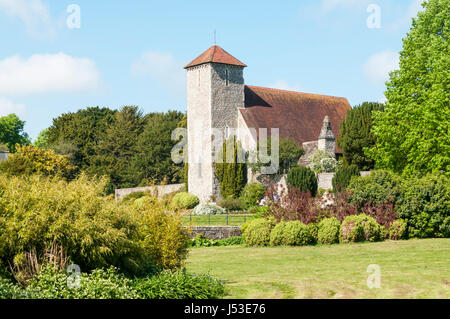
pixel 355 135
pixel 78 134
pixel 303 178
pixel 289 154
pixel 413 133
pixel 42 139
pixel 231 170
pixel 152 161
pixel 117 147
pixel 12 133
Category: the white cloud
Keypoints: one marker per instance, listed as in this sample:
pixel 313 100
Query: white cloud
pixel 163 68
pixel 7 107
pixel 379 65
pixel 414 8
pixel 33 13
pixel 284 85
pixel 42 73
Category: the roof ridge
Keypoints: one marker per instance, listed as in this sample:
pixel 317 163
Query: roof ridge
pixel 298 92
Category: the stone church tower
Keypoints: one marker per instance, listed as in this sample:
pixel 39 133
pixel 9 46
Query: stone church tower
pixel 215 93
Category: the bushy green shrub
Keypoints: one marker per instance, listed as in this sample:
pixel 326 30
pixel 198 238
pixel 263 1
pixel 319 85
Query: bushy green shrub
pixel 292 233
pixel 133 196
pixel 257 233
pixel 231 204
pixel 358 228
pixel 314 231
pixel 398 230
pixel 303 178
pixel 252 194
pixel 161 234
pixel 33 160
pixel 200 241
pixel 185 200
pixel 111 284
pixel 180 285
pixel 343 176
pixel 425 206
pixel 208 209
pixel 93 230
pixel 379 187
pixel 329 231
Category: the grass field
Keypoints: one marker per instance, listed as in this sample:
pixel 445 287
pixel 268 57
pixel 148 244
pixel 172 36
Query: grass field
pixel 216 220
pixel 409 269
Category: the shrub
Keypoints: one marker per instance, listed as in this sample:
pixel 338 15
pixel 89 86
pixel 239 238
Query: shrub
pixel 329 231
pixel 231 204
pixel 377 188
pixel 303 178
pixel 232 174
pixel 291 234
pixel 258 232
pixel 341 206
pixel 162 235
pixel 200 241
pixel 133 196
pixel 252 194
pixel 398 230
pixel 322 162
pixel 179 285
pixel 94 231
pixel 314 231
pixel 359 228
pixel 292 205
pixel 33 160
pixel 425 206
pixel 185 200
pixel 343 176
pixel 51 283
pixel 208 209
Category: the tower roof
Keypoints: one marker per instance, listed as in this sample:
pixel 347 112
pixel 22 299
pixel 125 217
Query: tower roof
pixel 215 54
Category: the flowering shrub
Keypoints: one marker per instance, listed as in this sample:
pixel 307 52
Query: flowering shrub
pixel 208 209
pixel 322 162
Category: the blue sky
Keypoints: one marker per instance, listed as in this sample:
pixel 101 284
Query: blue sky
pixel 133 52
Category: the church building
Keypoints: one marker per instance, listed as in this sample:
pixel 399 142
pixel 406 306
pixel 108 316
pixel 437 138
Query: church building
pixel 219 100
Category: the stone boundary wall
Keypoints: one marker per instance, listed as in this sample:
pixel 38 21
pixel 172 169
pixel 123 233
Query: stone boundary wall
pixel 216 232
pixel 157 190
pixel 3 156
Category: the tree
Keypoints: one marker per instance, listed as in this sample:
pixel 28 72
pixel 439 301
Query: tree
pixel 77 134
pixel 303 178
pixel 355 135
pixel 230 169
pixel 116 147
pixel 33 160
pixel 12 133
pixel 412 132
pixel 289 154
pixel 42 139
pixel 152 161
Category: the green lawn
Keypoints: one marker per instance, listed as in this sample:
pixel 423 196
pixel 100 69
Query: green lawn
pixel 217 220
pixel 409 269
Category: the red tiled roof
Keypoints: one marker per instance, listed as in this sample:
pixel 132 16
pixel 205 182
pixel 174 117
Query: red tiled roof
pixel 297 115
pixel 215 54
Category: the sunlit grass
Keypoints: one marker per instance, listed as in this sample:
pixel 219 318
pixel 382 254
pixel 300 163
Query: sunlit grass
pixel 409 269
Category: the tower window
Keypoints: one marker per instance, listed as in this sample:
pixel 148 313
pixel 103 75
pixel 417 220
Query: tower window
pixel 226 77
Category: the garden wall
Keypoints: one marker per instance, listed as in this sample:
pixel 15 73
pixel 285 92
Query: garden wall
pixel 157 190
pixel 3 156
pixel 216 232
